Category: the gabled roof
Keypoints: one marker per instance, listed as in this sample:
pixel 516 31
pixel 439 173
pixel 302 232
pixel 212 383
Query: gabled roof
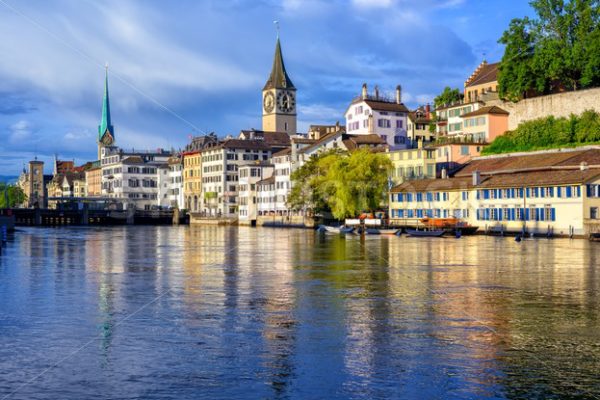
pixel 535 160
pixel 486 110
pixel 353 142
pixel 386 106
pixel 278 79
pixel 485 73
pixel 283 152
pixel 268 181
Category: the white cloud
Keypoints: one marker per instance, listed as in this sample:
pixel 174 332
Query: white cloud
pixel 373 3
pixel 20 131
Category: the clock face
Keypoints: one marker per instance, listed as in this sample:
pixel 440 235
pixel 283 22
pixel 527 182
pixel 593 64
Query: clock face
pixel 269 102
pixel 107 139
pixel 285 101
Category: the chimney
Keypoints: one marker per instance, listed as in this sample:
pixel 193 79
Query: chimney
pixel 364 93
pixel 376 92
pixel 428 111
pixel 476 178
pixel 444 173
pixel 398 94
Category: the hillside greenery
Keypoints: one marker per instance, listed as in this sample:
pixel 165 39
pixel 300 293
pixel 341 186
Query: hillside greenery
pixel 345 184
pixel 549 132
pixel 558 49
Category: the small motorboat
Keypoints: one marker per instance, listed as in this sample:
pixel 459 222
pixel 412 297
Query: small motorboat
pixel 388 231
pixel 594 236
pixel 336 229
pixel 425 232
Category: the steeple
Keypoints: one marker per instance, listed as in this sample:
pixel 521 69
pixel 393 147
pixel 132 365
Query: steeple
pixel 279 78
pixel 106 132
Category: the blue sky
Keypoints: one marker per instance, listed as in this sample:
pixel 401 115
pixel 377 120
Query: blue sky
pixel 208 60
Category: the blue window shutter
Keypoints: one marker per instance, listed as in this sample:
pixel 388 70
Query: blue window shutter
pixel 477 194
pixel 551 192
pixel 486 194
pixel 559 192
pixel 568 191
pixel 512 214
pixel 527 191
pixel 477 214
pixel 527 214
pixel 578 191
pixel 589 190
pixel 553 214
pixel 542 192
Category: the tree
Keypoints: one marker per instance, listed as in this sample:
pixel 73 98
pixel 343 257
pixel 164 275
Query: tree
pixel 448 96
pixel 587 128
pixel 11 193
pixel 558 49
pixel 345 184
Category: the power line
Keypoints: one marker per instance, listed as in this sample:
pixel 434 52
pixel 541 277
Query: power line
pixel 95 61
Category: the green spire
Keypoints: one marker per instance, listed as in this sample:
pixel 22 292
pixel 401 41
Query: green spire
pixel 279 78
pixel 106 132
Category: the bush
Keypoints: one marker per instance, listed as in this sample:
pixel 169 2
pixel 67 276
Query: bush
pixel 549 132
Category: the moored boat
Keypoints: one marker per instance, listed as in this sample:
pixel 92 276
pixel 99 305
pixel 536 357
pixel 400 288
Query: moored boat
pixel 425 232
pixel 336 229
pixel 449 225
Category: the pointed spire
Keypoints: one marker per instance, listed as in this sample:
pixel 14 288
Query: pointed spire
pixel 105 126
pixel 279 78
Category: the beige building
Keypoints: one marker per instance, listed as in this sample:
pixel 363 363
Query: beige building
pixel 192 180
pixel 411 164
pixel 483 83
pixel 417 127
pixel 549 192
pixel 93 180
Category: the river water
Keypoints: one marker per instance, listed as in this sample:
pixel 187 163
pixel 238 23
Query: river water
pixel 246 313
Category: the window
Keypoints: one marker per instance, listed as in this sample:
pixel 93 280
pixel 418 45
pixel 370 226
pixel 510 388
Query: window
pixel 593 212
pixel 383 123
pixel 464 150
pixel 399 123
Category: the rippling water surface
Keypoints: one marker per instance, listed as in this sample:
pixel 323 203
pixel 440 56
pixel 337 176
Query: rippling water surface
pixel 220 312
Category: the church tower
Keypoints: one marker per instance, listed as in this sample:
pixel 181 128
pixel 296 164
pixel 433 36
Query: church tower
pixel 106 132
pixel 279 98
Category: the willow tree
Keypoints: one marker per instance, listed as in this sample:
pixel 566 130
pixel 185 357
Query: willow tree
pixel 11 195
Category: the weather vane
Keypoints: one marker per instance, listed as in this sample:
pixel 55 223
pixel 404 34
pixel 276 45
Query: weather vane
pixel 277 27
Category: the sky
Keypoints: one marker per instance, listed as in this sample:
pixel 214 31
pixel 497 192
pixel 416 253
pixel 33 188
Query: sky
pixel 190 67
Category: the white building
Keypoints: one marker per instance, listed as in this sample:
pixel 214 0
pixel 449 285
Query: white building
pixel 376 114
pixel 250 174
pixel 220 176
pixel 449 118
pixel 134 177
pixel 175 183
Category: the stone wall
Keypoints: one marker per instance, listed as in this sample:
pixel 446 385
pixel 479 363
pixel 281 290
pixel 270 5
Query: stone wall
pixel 558 105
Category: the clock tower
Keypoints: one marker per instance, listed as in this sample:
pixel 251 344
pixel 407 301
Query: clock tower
pixel 279 98
pixel 106 132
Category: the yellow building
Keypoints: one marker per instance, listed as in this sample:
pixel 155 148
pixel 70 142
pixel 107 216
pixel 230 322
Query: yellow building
pixel 93 180
pixel 482 82
pixel 411 164
pixel 192 180
pixel 549 192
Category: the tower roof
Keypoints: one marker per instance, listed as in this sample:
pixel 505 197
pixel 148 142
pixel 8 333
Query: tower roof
pixel 279 78
pixel 105 122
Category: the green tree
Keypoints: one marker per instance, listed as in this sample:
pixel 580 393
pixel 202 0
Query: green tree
pixel 345 184
pixel 11 193
pixel 448 96
pixel 559 48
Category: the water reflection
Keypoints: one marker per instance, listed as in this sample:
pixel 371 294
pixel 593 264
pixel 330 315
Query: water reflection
pixel 221 312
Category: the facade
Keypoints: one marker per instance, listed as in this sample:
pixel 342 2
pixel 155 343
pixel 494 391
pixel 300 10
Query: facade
pixel 540 193
pixel 250 174
pixel 450 118
pixel 220 176
pixel 93 180
pixel 133 177
pixel 192 180
pixel 175 183
pixel 485 124
pixel 417 129
pixel 454 156
pixel 419 163
pixel 482 83
pixel 279 98
pixel 375 114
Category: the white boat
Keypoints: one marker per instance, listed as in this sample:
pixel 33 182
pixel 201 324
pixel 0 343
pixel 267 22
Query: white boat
pixel 336 229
